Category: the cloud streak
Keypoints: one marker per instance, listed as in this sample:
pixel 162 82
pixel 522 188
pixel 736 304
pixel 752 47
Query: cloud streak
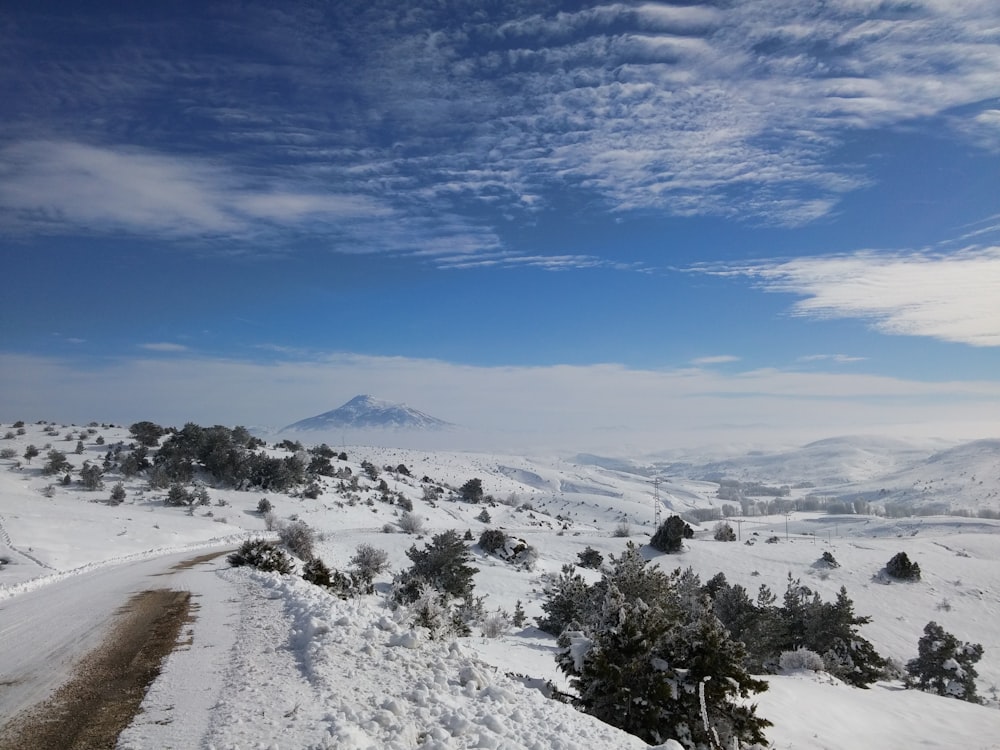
pixel 373 126
pixel 949 297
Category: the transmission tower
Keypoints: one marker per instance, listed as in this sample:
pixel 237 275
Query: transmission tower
pixel 656 502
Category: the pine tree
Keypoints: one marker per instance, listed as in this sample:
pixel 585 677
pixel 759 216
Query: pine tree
pixel 648 667
pixel 945 665
pixel 670 536
pixel 442 564
pixel 566 601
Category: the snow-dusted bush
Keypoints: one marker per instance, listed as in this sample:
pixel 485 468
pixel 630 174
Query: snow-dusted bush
pixel 299 538
pixel 8 453
pixel 724 532
pixel 261 554
pixel 492 540
pixel 622 531
pixel 410 523
pixel 368 562
pixel 828 560
pixel 495 624
pixel 264 506
pixel 316 572
pixel 800 658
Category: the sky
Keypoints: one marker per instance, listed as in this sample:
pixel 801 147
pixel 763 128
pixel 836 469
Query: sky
pixel 744 221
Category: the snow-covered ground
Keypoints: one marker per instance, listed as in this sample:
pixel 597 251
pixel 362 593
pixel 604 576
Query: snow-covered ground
pixel 274 662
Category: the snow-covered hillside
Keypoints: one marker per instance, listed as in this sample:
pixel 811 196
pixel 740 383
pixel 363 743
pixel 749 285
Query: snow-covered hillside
pixel 282 663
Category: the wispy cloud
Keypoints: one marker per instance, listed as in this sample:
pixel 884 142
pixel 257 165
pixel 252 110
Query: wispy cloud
pixel 951 297
pixel 719 359
pixel 836 358
pixel 163 346
pixel 442 115
pixel 102 188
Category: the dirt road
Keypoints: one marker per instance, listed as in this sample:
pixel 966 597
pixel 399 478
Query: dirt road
pixel 107 686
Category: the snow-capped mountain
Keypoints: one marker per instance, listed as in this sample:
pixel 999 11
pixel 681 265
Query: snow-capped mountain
pixel 365 412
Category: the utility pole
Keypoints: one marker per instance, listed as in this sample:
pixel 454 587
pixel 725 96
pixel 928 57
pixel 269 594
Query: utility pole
pixel 739 528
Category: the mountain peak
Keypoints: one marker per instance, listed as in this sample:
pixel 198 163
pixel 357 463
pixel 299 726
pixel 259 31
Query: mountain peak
pixel 367 412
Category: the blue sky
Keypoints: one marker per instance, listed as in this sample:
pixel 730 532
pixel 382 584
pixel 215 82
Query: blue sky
pixel 738 221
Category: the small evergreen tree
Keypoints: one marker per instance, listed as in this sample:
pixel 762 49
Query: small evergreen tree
pixel 567 598
pixel 368 562
pixel 178 495
pixel 118 493
pixel 670 536
pixel 370 469
pixel 147 433
pixel 91 476
pixel 30 452
pixel 264 506
pixel 945 665
pixel 650 668
pixel 902 568
pixel 590 558
pixel 472 491
pixel 724 532
pixel 56 463
pixel 442 564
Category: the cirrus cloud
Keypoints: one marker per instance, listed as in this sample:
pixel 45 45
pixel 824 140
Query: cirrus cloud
pixel 950 297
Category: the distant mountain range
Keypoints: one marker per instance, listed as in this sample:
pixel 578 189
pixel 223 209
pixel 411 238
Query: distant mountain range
pixel 365 413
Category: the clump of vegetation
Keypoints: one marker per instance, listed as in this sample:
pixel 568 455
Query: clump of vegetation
pixel 828 560
pixel 492 540
pixel 472 491
pixel 299 538
pixel 261 554
pixel 670 536
pixel 724 532
pixel 655 662
pixel 590 558
pixel 117 493
pixel 902 568
pixel 368 562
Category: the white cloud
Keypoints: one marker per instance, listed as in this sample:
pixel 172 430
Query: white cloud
pixel 838 358
pixel 719 359
pixel 948 297
pixel 566 408
pixel 62 184
pixel 688 110
pixel 163 346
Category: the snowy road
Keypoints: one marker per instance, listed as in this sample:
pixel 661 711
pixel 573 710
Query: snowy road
pixel 45 632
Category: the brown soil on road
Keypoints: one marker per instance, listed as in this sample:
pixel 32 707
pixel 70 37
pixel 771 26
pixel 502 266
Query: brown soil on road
pixel 107 688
